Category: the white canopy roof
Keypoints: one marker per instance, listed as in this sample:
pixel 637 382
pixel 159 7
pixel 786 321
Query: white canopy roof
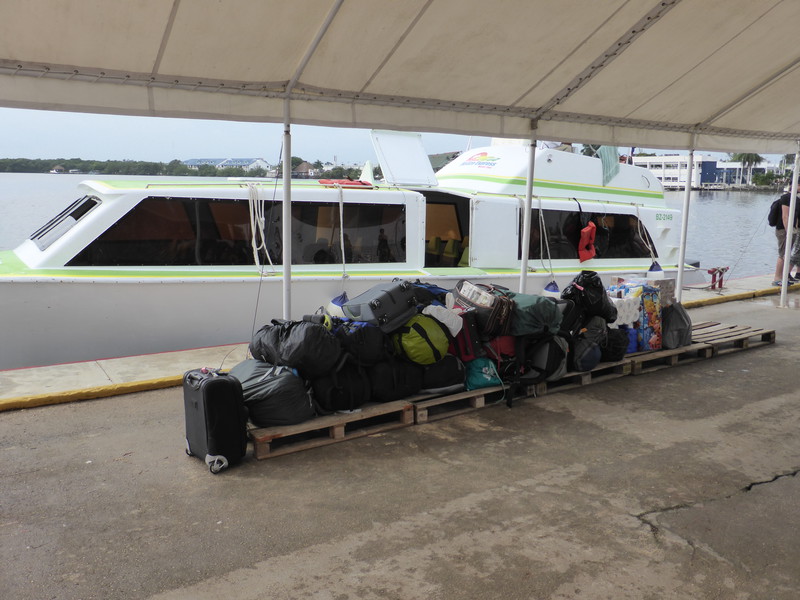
pixel 713 74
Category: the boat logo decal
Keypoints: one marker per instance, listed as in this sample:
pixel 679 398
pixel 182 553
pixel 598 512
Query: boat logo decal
pixel 481 159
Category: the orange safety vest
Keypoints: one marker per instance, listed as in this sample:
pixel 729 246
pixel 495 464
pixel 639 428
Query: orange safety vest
pixel 586 248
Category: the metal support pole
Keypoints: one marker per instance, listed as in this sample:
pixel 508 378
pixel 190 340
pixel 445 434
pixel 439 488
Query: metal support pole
pixel 287 213
pixel 287 159
pixel 687 193
pixel 526 213
pixel 787 252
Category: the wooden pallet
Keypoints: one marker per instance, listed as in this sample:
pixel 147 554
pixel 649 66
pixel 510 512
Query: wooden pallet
pixel 655 360
pixel 709 339
pixel 602 372
pixel 432 408
pixel 724 339
pixel 269 442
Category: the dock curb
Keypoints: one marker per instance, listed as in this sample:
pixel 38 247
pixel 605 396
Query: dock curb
pixel 733 297
pixel 103 391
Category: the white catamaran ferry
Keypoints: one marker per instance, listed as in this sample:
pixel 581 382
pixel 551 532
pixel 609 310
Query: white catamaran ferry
pixel 130 268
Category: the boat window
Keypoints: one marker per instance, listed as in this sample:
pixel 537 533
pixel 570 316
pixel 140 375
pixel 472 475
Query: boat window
pixel 446 240
pixel 175 232
pixel 63 221
pixel 617 236
pixel 181 232
pixel 373 233
pixel 622 236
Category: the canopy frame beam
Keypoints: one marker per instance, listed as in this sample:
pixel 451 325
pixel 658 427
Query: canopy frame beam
pixel 607 57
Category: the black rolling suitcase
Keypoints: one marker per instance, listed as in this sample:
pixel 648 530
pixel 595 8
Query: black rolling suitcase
pixel 216 419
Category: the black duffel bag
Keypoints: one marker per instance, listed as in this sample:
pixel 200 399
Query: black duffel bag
pixel 588 293
pixel 308 347
pixel 446 376
pixel 345 388
pixel 394 379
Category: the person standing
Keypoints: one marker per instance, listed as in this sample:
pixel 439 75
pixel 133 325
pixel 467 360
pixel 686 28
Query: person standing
pixel 780 233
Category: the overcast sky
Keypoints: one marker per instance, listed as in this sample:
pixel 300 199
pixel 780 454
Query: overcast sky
pixel 46 134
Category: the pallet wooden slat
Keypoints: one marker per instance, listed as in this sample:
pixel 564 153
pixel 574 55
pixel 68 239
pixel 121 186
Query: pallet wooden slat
pixel 439 407
pixel 741 339
pixel 602 372
pixel 372 418
pixel 656 360
pixel 721 333
pixel 701 325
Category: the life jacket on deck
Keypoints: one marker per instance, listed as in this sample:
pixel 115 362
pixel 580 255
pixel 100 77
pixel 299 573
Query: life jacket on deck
pixel 586 248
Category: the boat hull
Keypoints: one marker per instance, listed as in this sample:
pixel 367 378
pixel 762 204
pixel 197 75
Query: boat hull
pixel 63 320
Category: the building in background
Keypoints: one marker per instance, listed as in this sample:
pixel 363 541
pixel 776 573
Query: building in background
pixel 247 164
pixel 709 173
pixel 673 169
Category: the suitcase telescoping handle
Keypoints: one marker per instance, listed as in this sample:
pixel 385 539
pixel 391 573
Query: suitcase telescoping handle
pixel 196 377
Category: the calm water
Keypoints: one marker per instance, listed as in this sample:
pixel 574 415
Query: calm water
pixel 725 228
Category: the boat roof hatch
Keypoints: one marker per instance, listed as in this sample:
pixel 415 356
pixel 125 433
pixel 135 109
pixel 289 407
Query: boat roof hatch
pixel 403 159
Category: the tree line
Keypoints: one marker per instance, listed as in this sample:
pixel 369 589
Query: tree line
pixel 138 167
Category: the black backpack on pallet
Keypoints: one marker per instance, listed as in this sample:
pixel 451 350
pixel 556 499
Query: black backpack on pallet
pixel 365 342
pixel 587 345
pixel 345 388
pixel 394 379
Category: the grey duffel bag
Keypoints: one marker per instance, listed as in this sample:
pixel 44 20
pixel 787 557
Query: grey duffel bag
pixel 676 326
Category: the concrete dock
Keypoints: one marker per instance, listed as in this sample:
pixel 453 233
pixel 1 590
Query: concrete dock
pixel 680 483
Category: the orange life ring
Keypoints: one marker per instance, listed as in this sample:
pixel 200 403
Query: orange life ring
pixel 586 248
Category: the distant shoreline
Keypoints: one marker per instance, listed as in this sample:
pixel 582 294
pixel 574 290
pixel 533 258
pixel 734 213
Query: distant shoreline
pixel 174 168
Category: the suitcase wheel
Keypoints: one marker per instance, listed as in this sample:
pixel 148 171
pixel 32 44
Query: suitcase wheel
pixel 375 304
pixel 216 463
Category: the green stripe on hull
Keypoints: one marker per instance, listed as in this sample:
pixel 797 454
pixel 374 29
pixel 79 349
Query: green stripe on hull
pixel 12 267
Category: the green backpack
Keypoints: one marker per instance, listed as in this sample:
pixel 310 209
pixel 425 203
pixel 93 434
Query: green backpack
pixel 422 340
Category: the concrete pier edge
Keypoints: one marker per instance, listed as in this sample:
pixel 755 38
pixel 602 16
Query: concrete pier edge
pixel 92 393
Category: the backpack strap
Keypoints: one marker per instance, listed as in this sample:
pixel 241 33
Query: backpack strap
pixel 419 329
pixel 424 335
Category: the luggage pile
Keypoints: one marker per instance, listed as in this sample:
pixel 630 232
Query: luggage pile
pixel 404 338
pixel 394 341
